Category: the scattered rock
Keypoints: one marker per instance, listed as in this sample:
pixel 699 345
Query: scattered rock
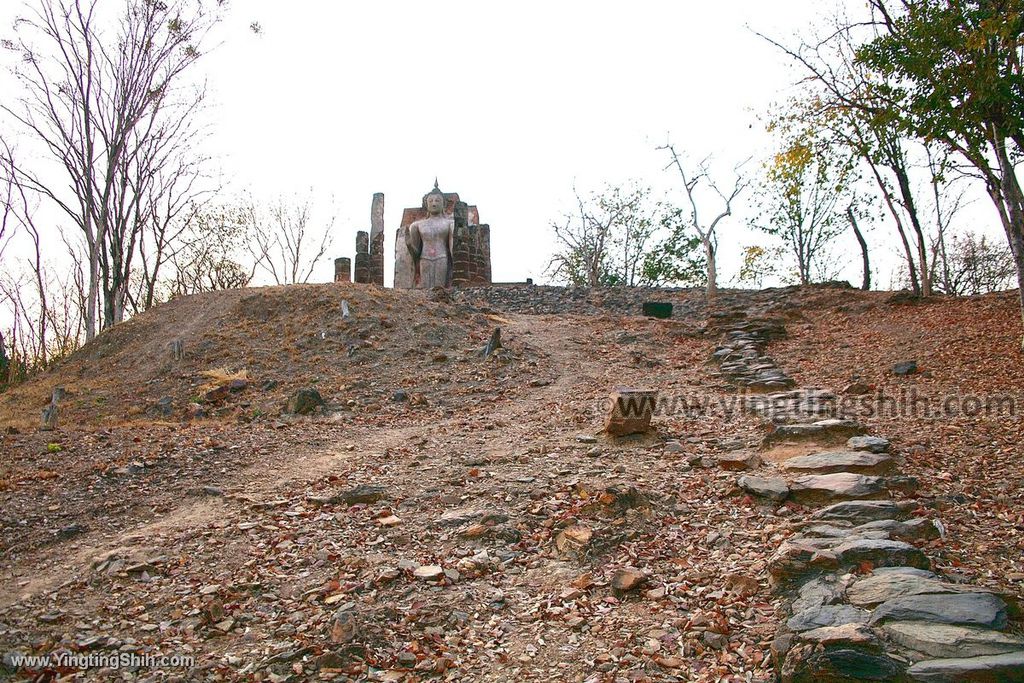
pixel 716 640
pixel 630 411
pixel 907 367
pixel 304 402
pixel 573 540
pixel 361 494
pixel 627 579
pixel 428 572
pixel 857 389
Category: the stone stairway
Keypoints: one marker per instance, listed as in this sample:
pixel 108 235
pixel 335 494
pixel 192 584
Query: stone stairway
pixel 863 601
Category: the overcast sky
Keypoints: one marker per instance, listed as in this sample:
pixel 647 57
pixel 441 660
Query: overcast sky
pixel 508 105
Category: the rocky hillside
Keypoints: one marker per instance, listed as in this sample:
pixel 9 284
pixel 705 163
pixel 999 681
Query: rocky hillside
pixel 446 516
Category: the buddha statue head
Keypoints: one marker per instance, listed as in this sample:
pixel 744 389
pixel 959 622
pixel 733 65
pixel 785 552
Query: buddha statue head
pixel 434 201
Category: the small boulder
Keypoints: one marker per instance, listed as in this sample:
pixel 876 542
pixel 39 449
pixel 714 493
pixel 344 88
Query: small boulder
pixel 907 367
pixel 857 389
pixel 304 402
pixel 627 579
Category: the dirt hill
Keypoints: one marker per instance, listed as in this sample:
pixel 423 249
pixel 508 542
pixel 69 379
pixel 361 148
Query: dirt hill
pixel 446 516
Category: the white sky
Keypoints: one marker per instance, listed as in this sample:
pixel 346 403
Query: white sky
pixel 507 104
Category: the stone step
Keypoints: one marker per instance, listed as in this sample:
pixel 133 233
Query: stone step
pixel 966 609
pixel 828 462
pixel 950 641
pixel 862 511
pixel 1004 668
pixel 880 587
pixel 833 429
pixel 839 486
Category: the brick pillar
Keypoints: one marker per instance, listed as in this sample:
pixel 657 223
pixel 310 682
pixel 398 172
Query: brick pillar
pixel 471 249
pixel 362 264
pixel 461 258
pixel 483 250
pixel 460 246
pixel 343 269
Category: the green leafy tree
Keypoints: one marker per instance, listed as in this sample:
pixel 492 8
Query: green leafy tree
pixel 953 75
pixel 801 200
pixel 758 263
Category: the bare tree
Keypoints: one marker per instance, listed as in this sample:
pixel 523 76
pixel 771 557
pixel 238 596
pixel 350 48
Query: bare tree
pixel 209 259
pixel 706 230
pixel 287 241
pixel 608 226
pixel 111 111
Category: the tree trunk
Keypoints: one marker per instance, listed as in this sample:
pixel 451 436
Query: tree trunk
pixel 922 248
pixel 1009 200
pixel 887 196
pixel 866 285
pixel 709 253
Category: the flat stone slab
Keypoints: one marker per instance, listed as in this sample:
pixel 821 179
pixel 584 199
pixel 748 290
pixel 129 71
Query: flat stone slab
pixel 845 533
pixel 872 444
pixel 827 615
pixel 911 571
pixel 852 633
pixel 828 462
pixel 1007 668
pixel 971 609
pixel 820 428
pixel 917 529
pixel 873 590
pixel 859 512
pixel 766 487
pixel 949 640
pixel 825 590
pixel 880 554
pixel 837 486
